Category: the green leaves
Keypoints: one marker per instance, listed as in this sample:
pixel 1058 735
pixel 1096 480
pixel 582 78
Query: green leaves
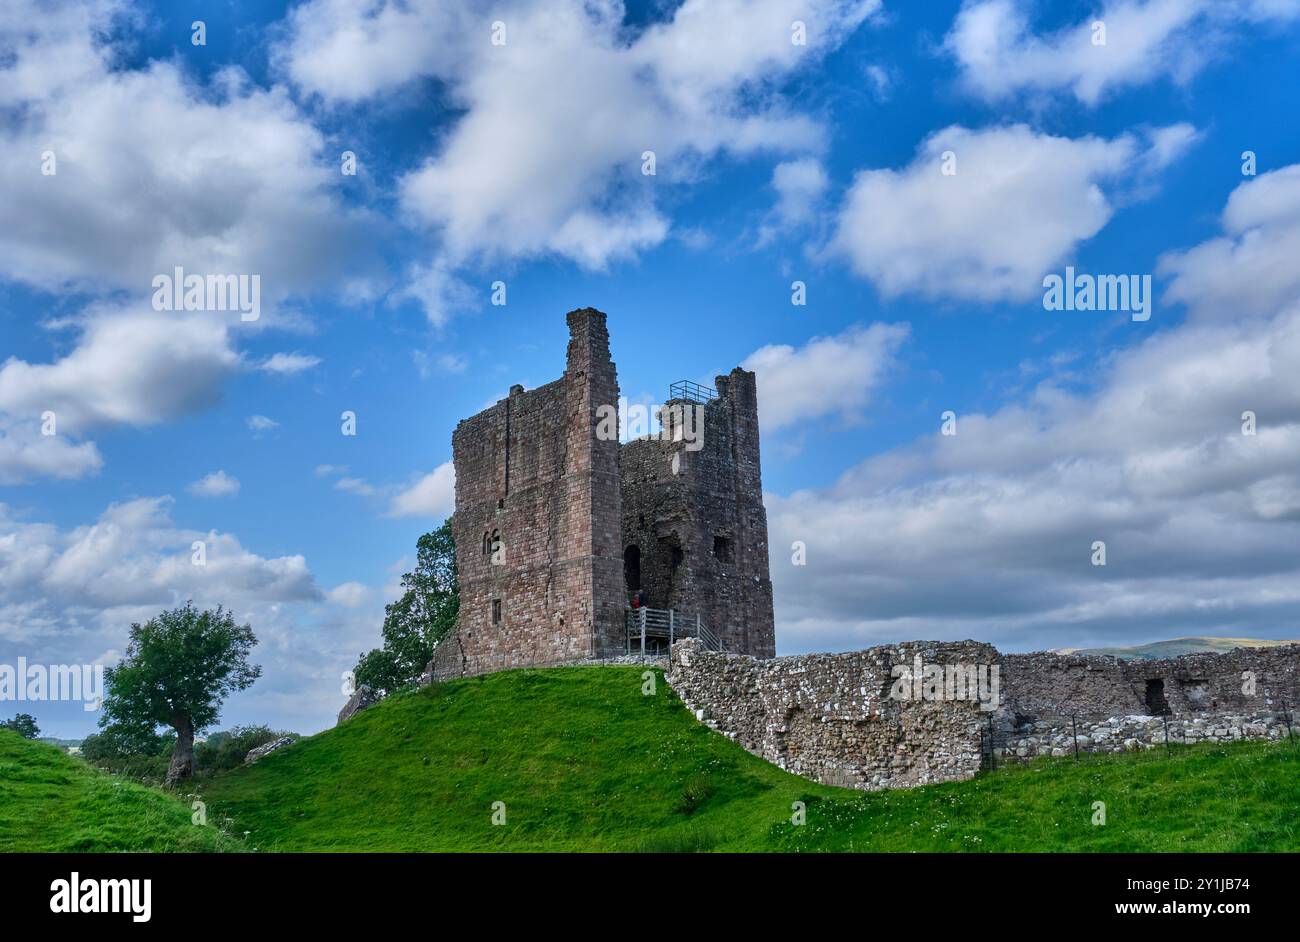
pixel 24 724
pixel 179 666
pixel 416 622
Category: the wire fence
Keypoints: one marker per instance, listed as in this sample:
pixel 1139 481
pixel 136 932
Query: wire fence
pixel 1077 733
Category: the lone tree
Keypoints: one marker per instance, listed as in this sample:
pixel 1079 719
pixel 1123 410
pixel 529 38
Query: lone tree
pixel 415 623
pixel 24 724
pixel 179 668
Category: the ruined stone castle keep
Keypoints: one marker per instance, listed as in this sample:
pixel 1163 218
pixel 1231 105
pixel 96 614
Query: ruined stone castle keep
pixel 557 524
pixel 694 529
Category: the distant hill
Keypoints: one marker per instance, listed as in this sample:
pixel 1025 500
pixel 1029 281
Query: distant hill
pixel 63 743
pixel 1178 646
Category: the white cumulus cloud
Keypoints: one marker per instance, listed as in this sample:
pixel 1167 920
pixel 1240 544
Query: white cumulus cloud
pixel 1000 55
pixel 988 533
pixel 826 376
pixel 1017 205
pixel 1252 268
pixel 547 157
pixel 433 496
pixel 216 484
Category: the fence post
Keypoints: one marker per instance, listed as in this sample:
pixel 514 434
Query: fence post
pixel 1286 718
pixel 643 632
pixel 672 623
pixel 993 746
pixel 1074 732
pixel 1165 717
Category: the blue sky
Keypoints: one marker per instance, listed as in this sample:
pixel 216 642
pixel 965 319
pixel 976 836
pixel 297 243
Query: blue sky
pixel 775 162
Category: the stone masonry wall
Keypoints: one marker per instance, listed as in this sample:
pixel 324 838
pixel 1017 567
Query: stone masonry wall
pixel 1048 683
pixel 830 718
pixel 537 520
pixel 540 527
pixel 697 522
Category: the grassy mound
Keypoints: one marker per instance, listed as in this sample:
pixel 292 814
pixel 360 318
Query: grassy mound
pixel 580 759
pixel 51 801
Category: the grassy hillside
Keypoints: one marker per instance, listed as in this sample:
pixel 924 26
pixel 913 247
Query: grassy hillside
pixel 583 761
pixel 1178 647
pixel 50 801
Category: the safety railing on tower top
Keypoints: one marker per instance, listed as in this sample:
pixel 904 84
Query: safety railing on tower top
pixel 691 392
pixel 653 630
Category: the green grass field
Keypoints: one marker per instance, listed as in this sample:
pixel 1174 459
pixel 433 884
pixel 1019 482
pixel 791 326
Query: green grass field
pixel 583 761
pixel 51 801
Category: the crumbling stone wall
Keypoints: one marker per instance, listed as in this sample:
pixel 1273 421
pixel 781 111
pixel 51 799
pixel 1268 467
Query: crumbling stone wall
pixel 695 518
pixel 1241 680
pixel 830 717
pixel 1043 682
pixel 537 521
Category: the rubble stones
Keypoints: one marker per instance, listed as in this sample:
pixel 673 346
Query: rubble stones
pixel 363 697
pixel 266 748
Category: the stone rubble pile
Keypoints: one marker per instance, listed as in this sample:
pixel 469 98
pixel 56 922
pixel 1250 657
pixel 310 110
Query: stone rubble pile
pixel 1131 733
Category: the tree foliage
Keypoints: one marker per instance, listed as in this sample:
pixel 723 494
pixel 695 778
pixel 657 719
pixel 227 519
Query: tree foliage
pixel 178 670
pixel 228 749
pixel 416 622
pixel 24 724
pixel 117 742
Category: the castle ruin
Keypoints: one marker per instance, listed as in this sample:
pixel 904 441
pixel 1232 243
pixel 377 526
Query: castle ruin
pixel 557 525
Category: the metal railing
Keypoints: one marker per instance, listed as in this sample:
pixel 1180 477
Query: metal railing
pixel 692 392
pixel 654 625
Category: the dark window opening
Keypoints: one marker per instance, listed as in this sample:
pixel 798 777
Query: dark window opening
pixel 722 548
pixel 1156 703
pixel 501 504
pixel 496 611
pixel 632 568
pixel 640 521
pixel 487 542
pixel 677 557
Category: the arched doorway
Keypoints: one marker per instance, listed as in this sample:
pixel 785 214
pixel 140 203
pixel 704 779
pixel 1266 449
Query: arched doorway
pixel 632 568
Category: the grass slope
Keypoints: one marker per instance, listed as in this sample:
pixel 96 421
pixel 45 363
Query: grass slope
pixel 1177 647
pixel 583 761
pixel 51 801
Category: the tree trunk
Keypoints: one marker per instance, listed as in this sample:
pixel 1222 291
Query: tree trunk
pixel 182 764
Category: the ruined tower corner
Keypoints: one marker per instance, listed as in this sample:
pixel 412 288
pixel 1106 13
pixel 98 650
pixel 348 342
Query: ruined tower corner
pixel 739 381
pixel 580 318
pixel 588 340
